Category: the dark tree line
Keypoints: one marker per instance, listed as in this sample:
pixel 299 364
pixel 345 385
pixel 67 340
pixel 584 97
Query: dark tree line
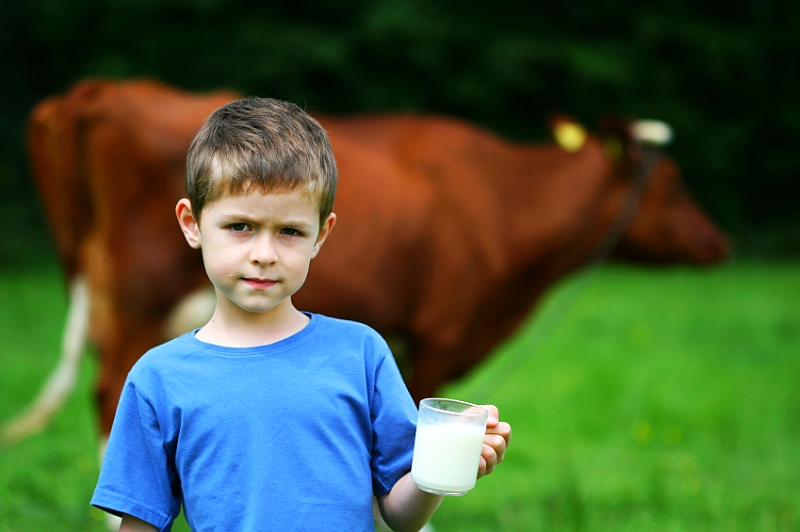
pixel 725 75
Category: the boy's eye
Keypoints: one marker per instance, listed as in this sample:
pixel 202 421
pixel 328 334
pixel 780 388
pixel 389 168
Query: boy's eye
pixel 238 227
pixel 289 231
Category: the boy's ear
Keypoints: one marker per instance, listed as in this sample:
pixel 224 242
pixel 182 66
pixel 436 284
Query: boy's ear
pixel 189 226
pixel 324 231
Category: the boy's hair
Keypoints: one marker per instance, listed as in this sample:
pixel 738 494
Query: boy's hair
pixel 260 144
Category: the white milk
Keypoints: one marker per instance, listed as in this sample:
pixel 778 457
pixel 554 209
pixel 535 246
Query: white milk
pixel 446 457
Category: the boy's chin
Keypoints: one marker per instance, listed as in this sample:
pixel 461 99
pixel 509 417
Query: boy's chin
pixel 251 306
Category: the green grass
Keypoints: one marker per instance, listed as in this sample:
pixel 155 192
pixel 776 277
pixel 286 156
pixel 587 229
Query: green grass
pixel 663 400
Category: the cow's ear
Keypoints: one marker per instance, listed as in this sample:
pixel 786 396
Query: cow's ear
pixel 188 223
pixel 567 133
pixel 617 140
pixel 620 145
pixel 654 132
pixel 623 138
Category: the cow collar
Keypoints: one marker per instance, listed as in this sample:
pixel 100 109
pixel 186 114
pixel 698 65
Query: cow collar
pixel 645 168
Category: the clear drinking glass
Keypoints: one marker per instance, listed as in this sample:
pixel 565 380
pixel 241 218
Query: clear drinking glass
pixel 447 448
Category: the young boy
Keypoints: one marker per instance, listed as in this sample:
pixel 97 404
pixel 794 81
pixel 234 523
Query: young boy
pixel 266 418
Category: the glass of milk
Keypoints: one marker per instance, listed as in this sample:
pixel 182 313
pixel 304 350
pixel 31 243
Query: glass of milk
pixel 448 444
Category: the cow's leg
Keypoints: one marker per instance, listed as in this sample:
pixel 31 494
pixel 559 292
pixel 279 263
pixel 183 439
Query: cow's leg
pixel 113 370
pixel 118 354
pixel 422 382
pixel 191 312
pixel 426 376
pixel 62 381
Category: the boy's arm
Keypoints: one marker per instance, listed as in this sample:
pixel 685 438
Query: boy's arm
pixel 406 507
pixel 134 524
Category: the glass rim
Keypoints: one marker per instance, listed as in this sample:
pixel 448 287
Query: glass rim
pixel 425 402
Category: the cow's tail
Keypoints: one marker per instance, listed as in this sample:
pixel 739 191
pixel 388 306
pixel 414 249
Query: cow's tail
pixel 62 381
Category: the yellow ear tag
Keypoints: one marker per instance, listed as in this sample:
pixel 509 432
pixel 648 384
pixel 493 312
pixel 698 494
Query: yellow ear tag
pixel 570 136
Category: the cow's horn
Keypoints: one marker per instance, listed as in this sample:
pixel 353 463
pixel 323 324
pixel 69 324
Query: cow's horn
pixel 652 131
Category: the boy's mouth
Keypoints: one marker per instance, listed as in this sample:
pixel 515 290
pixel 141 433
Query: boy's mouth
pixel 258 283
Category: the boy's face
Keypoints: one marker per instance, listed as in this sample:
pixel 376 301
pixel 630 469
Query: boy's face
pixel 256 247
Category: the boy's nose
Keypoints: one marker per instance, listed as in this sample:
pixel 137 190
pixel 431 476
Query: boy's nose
pixel 263 251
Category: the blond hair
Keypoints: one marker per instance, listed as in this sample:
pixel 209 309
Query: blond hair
pixel 260 144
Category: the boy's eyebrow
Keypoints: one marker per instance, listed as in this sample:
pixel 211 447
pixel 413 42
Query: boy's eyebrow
pixel 249 218
pixel 301 224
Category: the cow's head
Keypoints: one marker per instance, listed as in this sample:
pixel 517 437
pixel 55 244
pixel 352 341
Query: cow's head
pixel 669 226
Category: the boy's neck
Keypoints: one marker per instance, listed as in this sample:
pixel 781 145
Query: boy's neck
pixel 235 327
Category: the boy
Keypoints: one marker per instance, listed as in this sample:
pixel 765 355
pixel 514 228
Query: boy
pixel 266 418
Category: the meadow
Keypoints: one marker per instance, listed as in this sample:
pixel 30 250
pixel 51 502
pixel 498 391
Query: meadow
pixel 640 399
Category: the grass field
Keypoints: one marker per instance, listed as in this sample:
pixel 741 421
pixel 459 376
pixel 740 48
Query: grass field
pixel 641 400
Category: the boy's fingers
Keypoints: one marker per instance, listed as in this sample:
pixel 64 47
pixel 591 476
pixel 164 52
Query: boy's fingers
pixel 482 467
pixel 502 429
pixel 489 460
pixel 494 415
pixel 493 452
pixel 495 442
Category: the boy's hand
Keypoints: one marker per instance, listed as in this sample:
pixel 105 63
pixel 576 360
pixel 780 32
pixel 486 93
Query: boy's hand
pixel 498 434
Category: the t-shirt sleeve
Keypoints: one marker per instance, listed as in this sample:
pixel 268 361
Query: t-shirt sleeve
pixel 394 419
pixel 136 477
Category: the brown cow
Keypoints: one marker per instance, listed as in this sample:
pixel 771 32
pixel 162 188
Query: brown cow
pixel 447 235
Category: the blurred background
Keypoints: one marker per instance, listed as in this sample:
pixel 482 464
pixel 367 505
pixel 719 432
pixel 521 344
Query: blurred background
pixel 723 74
pixel 641 399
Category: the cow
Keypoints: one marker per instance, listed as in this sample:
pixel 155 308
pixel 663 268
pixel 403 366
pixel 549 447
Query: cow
pixel 447 234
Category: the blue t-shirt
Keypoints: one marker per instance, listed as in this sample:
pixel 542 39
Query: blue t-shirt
pixel 295 435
